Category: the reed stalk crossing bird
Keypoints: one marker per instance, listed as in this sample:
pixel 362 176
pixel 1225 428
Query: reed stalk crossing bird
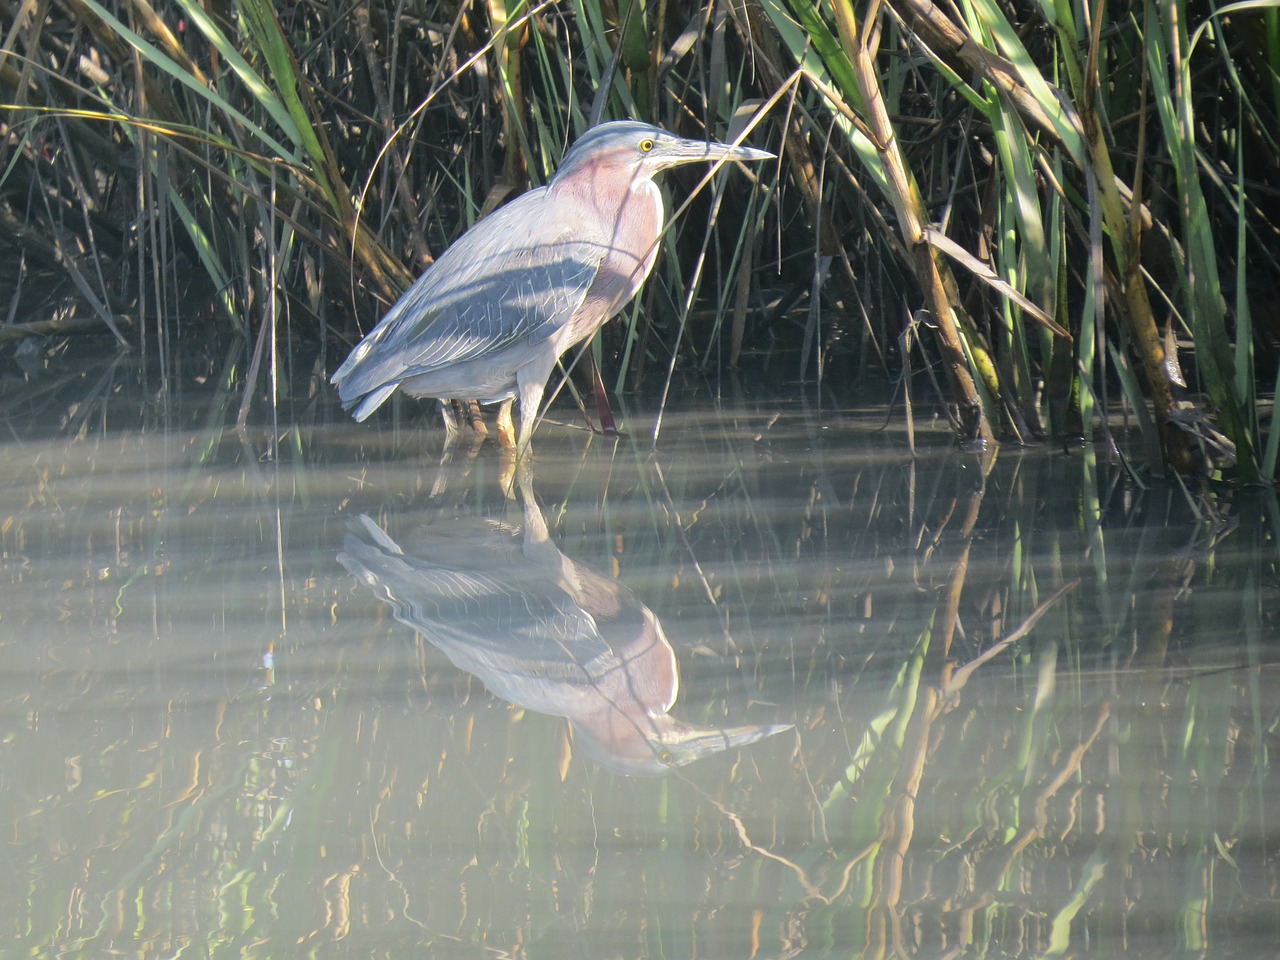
pixel 490 318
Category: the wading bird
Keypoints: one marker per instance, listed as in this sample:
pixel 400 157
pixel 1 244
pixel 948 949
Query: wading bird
pixel 491 317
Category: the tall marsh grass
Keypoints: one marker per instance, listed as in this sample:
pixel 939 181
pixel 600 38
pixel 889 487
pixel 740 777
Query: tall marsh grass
pixel 1060 213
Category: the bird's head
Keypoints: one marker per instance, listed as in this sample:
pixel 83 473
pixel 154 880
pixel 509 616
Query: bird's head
pixel 636 149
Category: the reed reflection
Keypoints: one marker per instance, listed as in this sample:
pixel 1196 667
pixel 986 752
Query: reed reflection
pixel 544 632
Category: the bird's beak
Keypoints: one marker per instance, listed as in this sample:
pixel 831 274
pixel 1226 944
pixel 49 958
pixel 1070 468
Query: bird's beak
pixel 701 151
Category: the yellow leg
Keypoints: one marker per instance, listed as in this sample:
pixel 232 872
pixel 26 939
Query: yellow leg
pixel 472 411
pixel 506 429
pixel 450 421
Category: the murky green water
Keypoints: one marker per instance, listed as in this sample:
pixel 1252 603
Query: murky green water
pixel 929 706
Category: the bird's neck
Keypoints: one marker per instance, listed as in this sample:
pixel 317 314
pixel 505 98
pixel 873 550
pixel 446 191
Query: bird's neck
pixel 601 191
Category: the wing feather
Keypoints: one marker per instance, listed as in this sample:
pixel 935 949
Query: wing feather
pixel 514 278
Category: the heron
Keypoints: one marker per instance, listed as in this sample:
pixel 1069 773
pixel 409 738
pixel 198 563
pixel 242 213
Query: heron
pixel 489 320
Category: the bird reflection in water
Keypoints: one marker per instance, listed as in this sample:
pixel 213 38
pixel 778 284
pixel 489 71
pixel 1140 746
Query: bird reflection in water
pixel 543 632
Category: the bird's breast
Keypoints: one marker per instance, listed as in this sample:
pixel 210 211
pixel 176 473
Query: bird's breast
pixel 629 237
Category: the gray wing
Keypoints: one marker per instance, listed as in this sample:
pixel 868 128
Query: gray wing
pixel 517 276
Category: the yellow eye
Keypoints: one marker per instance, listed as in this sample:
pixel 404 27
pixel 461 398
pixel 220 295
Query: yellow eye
pixel 646 145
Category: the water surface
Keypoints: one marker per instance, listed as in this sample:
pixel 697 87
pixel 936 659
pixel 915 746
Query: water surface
pixel 308 691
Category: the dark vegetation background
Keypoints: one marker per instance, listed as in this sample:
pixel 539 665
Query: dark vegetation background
pixel 1049 207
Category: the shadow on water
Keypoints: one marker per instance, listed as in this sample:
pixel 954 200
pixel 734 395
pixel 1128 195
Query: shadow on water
pixel 1034 705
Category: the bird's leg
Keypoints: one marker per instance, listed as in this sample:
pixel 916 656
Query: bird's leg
pixel 531 380
pixel 457 412
pixel 528 418
pixel 601 397
pixel 471 410
pixel 506 429
pixel 509 467
pixel 449 416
